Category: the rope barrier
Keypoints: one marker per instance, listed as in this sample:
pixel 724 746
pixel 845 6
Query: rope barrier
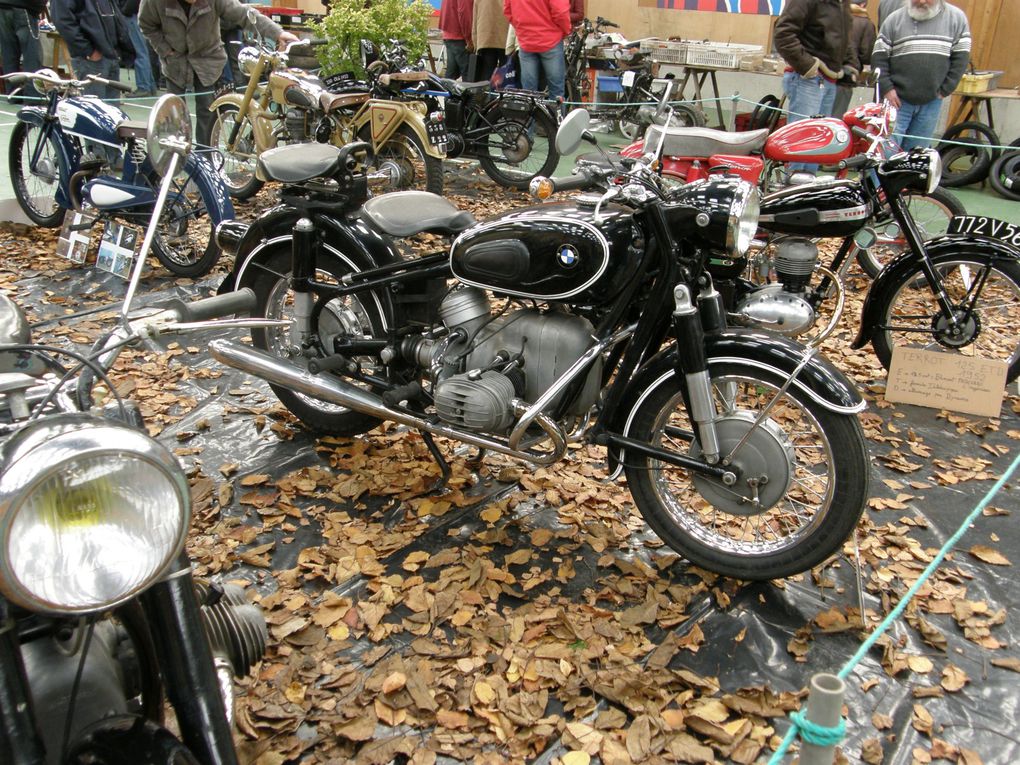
pixel 887 622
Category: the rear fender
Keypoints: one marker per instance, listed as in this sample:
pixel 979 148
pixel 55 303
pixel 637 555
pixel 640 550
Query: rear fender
pixel 775 357
pixel 906 263
pixel 384 117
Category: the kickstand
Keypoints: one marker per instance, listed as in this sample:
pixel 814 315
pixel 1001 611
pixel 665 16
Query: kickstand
pixel 444 466
pixel 475 462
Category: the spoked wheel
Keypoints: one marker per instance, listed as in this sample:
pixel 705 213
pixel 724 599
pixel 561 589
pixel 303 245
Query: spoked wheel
pixel 986 300
pixel 931 212
pixel 519 147
pixel 184 240
pixel 238 164
pixel 35 174
pixel 801 484
pixel 335 323
pixel 404 162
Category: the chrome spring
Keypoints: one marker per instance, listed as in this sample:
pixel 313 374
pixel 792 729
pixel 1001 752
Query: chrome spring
pixel 136 151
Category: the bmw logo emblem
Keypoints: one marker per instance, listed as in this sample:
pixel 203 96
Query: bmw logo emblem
pixel 568 256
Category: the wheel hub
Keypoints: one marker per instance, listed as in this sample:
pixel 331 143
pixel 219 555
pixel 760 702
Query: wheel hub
pixel 516 149
pixel 963 334
pixel 764 466
pixel 400 172
pixel 46 171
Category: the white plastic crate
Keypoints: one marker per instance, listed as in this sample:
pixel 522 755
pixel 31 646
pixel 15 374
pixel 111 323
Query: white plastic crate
pixel 665 51
pixel 719 55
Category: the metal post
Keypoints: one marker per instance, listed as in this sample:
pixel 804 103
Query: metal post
pixel 824 708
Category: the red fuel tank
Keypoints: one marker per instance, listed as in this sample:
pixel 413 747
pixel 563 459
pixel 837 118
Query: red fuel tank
pixel 821 140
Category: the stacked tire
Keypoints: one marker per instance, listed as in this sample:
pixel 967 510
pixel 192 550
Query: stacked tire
pixel 1004 174
pixel 968 150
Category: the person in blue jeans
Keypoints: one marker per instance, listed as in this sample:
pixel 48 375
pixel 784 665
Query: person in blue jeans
pixel 97 38
pixel 19 36
pixel 540 26
pixel 813 37
pixel 145 83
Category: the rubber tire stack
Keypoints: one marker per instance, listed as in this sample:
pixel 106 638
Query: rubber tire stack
pixel 982 155
pixel 1004 174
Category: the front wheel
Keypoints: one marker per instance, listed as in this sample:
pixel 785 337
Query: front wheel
pixel 184 241
pixel 334 324
pixel 802 476
pixel 239 163
pixel 985 296
pixel 519 146
pixel 931 212
pixel 403 161
pixel 35 174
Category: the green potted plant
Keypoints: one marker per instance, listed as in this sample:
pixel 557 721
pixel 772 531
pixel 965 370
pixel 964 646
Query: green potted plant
pixel 351 21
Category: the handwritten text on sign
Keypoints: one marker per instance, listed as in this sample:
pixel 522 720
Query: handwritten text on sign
pixel 946 381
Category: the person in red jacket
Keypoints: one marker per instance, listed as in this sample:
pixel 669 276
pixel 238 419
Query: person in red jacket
pixel 455 19
pixel 540 26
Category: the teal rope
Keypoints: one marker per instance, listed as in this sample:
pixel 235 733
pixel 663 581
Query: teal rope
pixel 816 734
pixel 895 613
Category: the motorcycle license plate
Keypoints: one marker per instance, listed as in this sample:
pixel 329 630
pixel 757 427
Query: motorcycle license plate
pixel 436 132
pixel 337 83
pixel 981 225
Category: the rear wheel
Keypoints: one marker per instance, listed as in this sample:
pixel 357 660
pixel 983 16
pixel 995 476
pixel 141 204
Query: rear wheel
pixel 239 164
pixel 519 146
pixel 986 300
pixel 405 163
pixel 334 322
pixel 35 183
pixel 931 212
pixel 802 476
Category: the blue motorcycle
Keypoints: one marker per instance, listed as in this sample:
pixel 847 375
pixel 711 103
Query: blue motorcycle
pixel 75 152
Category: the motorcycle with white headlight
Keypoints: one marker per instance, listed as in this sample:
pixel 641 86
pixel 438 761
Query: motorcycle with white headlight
pixel 101 620
pixel 591 319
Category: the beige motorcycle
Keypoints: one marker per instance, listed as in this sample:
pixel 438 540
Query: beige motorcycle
pixel 293 106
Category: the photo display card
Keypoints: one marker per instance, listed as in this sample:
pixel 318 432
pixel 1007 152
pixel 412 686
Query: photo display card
pixel 75 238
pixel 118 248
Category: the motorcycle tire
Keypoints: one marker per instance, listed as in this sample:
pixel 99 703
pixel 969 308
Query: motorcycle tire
pixel 910 307
pixel 766 113
pixel 630 130
pixel 238 165
pixel 1005 175
pixel 518 147
pixel 404 158
pixel 36 192
pixel 816 462
pixel 931 212
pixel 184 242
pixel 963 165
pixel 366 314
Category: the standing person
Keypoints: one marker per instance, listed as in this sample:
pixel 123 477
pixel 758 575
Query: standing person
pixel 19 35
pixel 885 7
pixel 922 50
pixel 186 36
pixel 540 26
pixel 145 83
pixel 97 38
pixel 576 12
pixel 862 39
pixel 813 37
pixel 455 22
pixel 488 31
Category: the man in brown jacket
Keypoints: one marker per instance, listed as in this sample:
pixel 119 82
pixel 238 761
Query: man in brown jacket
pixel 489 30
pixel 186 36
pixel 862 39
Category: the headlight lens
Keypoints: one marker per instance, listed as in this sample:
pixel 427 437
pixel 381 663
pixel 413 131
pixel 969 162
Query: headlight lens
pixel 91 513
pixel 743 221
pixel 247 57
pixel 934 170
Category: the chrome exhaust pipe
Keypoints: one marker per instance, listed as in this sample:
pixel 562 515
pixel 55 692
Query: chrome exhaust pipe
pixel 288 375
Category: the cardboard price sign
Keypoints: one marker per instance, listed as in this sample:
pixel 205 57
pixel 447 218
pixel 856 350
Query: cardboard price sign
pixel 967 384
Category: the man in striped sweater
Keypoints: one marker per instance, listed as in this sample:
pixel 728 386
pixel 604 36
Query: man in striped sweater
pixel 922 51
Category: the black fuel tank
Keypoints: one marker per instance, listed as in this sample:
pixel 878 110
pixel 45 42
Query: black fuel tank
pixel 554 252
pixel 823 208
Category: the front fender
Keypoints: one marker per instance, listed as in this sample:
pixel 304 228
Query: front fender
pixel 261 126
pixel 68 153
pixel 213 190
pixel 905 264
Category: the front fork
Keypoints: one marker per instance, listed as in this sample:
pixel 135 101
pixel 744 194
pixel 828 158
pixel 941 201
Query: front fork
pixel 692 364
pixel 303 251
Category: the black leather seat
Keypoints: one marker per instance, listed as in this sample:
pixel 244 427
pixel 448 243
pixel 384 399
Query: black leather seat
pixel 403 213
pixel 298 162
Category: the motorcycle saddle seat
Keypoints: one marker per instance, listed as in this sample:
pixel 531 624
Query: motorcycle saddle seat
pixel 133 129
pixel 298 162
pixel 459 88
pixel 704 142
pixel 332 101
pixel 404 213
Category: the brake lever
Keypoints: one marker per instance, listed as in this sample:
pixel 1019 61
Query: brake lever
pixel 611 193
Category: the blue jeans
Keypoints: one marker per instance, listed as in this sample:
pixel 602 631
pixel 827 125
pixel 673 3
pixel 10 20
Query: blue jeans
pixel 915 124
pixel 143 69
pixel 19 43
pixel 552 63
pixel 456 59
pixel 806 98
pixel 105 67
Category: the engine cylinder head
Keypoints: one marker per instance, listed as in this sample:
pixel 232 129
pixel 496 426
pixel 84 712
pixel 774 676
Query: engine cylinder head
pixel 236 628
pixel 476 402
pixel 463 306
pixel 795 261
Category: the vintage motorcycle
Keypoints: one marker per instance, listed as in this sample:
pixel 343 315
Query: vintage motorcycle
pixel 742 449
pixel 101 617
pixel 511 133
pixel 294 106
pixel 58 159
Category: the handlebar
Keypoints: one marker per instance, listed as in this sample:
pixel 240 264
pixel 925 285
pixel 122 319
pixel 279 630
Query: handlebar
pixel 543 188
pixel 601 22
pixel 19 78
pixel 242 301
pixel 857 162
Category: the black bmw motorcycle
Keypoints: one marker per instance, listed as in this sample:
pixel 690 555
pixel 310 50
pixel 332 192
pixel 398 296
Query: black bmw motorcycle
pixel 592 319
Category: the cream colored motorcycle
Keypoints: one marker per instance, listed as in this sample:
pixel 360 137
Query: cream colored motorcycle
pixel 284 104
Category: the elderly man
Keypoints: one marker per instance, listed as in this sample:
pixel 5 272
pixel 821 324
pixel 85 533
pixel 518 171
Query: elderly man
pixel 922 51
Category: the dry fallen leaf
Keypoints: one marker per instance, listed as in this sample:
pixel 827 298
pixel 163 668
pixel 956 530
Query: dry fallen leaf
pixel 989 555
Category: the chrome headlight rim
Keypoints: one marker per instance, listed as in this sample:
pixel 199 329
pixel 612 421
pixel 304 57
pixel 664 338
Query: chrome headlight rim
pixel 742 223
pixel 247 58
pixel 74 440
pixel 934 170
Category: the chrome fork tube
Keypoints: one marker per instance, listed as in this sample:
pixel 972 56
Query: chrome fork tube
pixel 694 366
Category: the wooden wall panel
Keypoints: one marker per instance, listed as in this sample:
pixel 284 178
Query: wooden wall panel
pixel 637 22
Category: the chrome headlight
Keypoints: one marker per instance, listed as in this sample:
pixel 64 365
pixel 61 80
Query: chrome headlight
pixel 247 58
pixel 743 222
pixel 934 170
pixel 91 513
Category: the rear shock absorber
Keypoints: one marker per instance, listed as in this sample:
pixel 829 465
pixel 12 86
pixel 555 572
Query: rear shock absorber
pixel 303 266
